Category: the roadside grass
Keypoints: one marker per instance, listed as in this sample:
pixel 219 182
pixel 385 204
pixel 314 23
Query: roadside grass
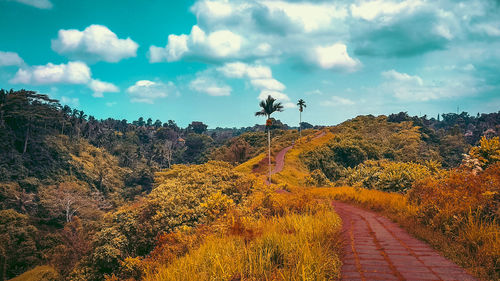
pixel 475 245
pixel 293 246
pixel 294 173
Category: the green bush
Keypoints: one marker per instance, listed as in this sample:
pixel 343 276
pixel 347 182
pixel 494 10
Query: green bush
pixel 386 175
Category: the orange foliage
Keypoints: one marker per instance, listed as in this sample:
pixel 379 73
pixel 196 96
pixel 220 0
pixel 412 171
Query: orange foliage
pixel 458 192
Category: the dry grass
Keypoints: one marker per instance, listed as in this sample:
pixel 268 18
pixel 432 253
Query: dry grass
pixel 294 173
pixel 291 247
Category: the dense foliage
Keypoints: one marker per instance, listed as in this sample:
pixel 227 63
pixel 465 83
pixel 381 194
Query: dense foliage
pixel 58 164
pixel 100 199
pixel 184 196
pixel 390 153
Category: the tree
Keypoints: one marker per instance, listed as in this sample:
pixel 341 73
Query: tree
pixel 18 244
pixel 302 105
pixel 65 200
pixel 197 127
pixel 268 108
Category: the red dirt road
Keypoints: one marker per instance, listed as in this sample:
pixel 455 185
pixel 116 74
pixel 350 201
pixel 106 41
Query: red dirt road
pixel 280 160
pixel 280 157
pixel 377 249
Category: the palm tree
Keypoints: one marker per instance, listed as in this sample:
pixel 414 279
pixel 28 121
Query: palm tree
pixel 268 108
pixel 302 105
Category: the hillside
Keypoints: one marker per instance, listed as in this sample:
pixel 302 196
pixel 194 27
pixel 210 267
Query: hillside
pixel 98 199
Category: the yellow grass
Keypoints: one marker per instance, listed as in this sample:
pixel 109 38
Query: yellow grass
pixel 248 166
pixel 291 247
pixel 294 172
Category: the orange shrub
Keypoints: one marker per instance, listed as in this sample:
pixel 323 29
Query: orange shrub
pixel 459 192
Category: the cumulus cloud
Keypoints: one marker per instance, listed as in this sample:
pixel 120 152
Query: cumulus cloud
pixel 268 84
pixel 402 77
pixel 219 44
pixel 404 28
pixel 145 91
pixel 334 57
pixel 40 4
pixel 71 73
pixel 371 10
pixel 100 87
pixel 75 102
pixel 309 17
pixel 275 94
pixel 10 58
pixel 210 86
pixel 94 43
pixel 259 76
pixel 74 72
pixel 413 88
pixel 241 70
pixel 338 101
pixel 241 30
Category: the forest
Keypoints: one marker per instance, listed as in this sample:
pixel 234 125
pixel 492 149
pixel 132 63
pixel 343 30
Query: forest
pixel 88 199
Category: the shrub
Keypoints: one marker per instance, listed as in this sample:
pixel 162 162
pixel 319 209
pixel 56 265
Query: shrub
pixel 386 175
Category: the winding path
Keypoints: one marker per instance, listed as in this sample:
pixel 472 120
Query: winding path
pixel 377 249
pixel 280 157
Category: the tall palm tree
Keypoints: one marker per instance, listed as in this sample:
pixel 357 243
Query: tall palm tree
pixel 268 108
pixel 302 105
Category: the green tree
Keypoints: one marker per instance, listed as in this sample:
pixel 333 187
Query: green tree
pixel 18 244
pixel 302 105
pixel 197 127
pixel 268 108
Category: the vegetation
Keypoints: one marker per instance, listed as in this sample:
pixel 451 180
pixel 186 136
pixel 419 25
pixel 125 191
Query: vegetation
pixel 456 210
pixel 293 246
pixel 87 199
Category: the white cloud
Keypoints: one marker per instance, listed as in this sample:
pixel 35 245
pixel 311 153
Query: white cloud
pixel 371 10
pixel 338 101
pixel 94 43
pixel 402 77
pixel 208 85
pixel 10 58
pixel 277 95
pixel 314 92
pixel 74 102
pixel 491 29
pixel 255 30
pixel 240 70
pixel 268 83
pixel 289 105
pixel 334 57
pixel 71 73
pixel 259 76
pixel 74 72
pixel 216 45
pixel 100 87
pixel 413 88
pixel 309 16
pixel 146 91
pixel 40 4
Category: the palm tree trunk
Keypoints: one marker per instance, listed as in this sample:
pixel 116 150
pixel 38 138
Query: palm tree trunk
pixel 300 124
pixel 269 151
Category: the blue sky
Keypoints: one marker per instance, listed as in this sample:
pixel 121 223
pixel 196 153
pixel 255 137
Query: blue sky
pixel 212 61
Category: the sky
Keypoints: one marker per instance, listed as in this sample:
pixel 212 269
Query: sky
pixel 212 61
